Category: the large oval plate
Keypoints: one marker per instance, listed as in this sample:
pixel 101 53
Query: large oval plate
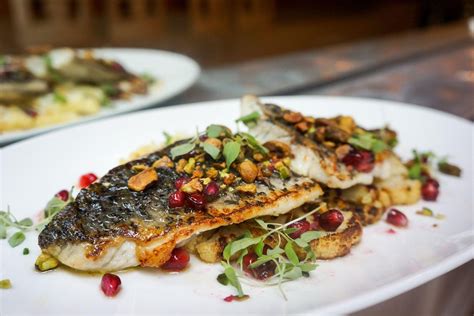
pixel 175 72
pixel 381 266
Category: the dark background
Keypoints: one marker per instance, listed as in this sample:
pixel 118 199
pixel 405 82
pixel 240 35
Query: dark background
pixel 215 32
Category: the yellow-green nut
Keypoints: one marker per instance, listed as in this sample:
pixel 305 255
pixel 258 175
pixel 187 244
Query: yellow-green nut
pixel 5 284
pixel 189 167
pixel 45 262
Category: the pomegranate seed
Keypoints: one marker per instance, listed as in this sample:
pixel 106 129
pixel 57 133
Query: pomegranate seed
pixel 391 231
pixel 177 199
pixel 203 137
pixel 361 160
pixel 430 190
pixel 302 226
pixel 63 195
pixel 331 220
pixel 110 284
pixel 180 182
pixel 117 67
pixel 247 260
pixel 263 271
pixel 314 225
pixel 86 180
pixel 211 190
pixel 178 261
pixel 196 201
pixel 397 218
pixel 232 298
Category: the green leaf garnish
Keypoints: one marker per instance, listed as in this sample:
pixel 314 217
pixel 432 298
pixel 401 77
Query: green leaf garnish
pixel 232 277
pixel 253 143
pixel 291 254
pixel 231 152
pixel 249 118
pixel 3 231
pixel 149 79
pixel 182 149
pixel 215 131
pixel 26 251
pixel 16 239
pixel 212 150
pixel 222 279
pixel 168 138
pixel 58 97
pixel 368 141
pixel 27 222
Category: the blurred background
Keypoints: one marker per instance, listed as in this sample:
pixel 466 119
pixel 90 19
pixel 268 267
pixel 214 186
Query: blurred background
pixel 216 32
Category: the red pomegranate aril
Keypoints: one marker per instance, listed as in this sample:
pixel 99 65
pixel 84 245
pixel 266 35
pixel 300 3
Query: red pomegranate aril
pixel 196 201
pixel 397 218
pixel 430 190
pixel 331 220
pixel 180 182
pixel 86 180
pixel 63 195
pixel 177 199
pixel 247 260
pixel 302 226
pixel 264 271
pixel 178 261
pixel 361 160
pixel 211 190
pixel 110 284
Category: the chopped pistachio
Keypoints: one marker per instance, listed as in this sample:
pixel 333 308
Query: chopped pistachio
pixel 141 180
pixel 247 188
pixel 282 170
pixel 180 165
pixel 163 162
pixel 212 173
pixel 189 167
pixel 192 186
pixel 139 167
pixel 45 262
pixel 229 179
pixel 5 284
pixel 248 171
pixel 206 181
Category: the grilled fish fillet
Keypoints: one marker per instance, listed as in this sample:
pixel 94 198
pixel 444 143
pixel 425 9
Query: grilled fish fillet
pixel 315 158
pixel 111 226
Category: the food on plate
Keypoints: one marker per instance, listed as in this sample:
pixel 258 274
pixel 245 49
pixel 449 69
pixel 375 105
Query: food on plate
pixel 140 211
pixel 335 152
pixel 264 204
pixel 61 85
pixel 337 236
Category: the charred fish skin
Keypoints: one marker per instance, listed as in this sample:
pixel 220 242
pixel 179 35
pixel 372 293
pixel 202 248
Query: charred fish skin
pixel 318 145
pixel 111 226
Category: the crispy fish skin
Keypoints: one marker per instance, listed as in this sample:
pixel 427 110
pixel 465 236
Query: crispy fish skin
pixel 313 158
pixel 110 227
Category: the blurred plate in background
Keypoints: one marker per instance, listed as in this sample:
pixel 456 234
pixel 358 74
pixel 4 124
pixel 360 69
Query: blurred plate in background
pixel 175 73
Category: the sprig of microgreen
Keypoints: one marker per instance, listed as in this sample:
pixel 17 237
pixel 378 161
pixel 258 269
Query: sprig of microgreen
pixel 231 149
pixel 424 160
pixel 8 220
pixel 288 265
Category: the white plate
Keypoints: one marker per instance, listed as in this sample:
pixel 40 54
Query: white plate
pixel 176 73
pixel 382 266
